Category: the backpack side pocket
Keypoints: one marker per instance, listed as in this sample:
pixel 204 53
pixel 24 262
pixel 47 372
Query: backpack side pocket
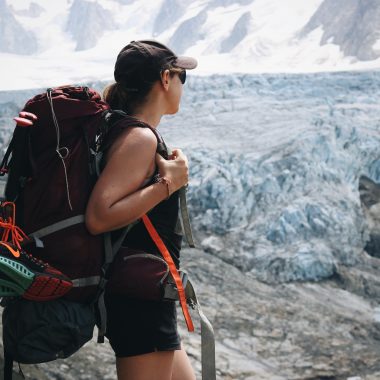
pixel 138 274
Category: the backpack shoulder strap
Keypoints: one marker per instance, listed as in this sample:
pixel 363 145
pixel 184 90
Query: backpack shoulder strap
pixel 116 121
pixel 185 218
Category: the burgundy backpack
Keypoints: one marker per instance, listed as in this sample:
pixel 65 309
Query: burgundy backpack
pixel 57 153
pixel 52 167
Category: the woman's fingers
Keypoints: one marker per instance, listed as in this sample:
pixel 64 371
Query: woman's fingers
pixel 28 115
pixel 25 119
pixel 22 122
pixel 159 159
pixel 178 155
pixel 175 170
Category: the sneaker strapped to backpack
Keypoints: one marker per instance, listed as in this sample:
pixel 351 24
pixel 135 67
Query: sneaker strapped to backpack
pixel 21 274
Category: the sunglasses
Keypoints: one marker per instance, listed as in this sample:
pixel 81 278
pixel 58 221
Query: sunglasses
pixel 182 76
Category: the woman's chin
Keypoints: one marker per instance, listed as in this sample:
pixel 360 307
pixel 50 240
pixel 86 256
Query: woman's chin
pixel 172 111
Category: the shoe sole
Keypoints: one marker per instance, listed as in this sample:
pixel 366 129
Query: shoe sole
pixel 6 286
pixel 32 285
pixel 45 288
pixel 9 288
pixel 6 291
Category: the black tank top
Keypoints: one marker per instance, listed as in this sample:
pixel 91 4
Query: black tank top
pixel 164 216
pixel 165 219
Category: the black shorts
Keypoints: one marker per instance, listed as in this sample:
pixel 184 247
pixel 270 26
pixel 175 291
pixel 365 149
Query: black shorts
pixel 136 327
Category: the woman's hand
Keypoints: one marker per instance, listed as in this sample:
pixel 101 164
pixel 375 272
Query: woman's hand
pixel 174 171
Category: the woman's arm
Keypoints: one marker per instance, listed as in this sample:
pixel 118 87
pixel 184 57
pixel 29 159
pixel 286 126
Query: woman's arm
pixel 117 198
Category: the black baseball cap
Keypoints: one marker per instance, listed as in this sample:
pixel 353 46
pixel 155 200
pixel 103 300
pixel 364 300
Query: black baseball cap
pixel 142 61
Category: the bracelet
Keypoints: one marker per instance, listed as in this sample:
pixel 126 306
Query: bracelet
pixel 166 182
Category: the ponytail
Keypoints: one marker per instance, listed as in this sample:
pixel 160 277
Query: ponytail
pixel 126 99
pixel 116 97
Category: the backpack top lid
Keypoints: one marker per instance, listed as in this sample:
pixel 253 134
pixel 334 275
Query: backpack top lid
pixel 76 109
pixel 65 98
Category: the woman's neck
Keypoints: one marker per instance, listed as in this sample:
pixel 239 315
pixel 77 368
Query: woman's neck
pixel 151 118
pixel 153 108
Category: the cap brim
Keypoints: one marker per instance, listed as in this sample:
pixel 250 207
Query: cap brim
pixel 187 63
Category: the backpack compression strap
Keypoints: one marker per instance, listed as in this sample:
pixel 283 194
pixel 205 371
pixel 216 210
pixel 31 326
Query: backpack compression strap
pixel 207 336
pixel 184 212
pixel 185 219
pixel 207 332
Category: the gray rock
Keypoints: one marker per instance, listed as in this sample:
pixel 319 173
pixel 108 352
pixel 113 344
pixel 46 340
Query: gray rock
pixel 87 22
pixel 370 198
pixel 126 2
pixel 226 3
pixel 351 24
pixel 188 33
pixel 238 33
pixel 14 38
pixel 34 10
pixel 263 332
pixel 171 11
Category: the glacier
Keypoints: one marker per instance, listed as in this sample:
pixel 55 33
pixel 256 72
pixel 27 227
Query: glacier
pixel 275 168
pixel 275 162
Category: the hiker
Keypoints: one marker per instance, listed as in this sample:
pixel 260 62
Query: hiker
pixel 135 180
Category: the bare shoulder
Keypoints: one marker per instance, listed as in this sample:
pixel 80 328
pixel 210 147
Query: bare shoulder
pixel 135 139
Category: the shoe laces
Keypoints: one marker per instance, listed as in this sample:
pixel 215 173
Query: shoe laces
pixel 11 232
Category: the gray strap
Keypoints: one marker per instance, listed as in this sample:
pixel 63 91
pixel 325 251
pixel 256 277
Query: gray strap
pixel 98 159
pixel 208 347
pixel 57 226
pixel 108 258
pixel 185 217
pixel 102 318
pixel 118 243
pixel 207 336
pixel 207 332
pixel 108 249
pixel 112 249
pixel 85 281
pixel 39 242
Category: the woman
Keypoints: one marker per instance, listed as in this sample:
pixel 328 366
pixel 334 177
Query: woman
pixel 135 179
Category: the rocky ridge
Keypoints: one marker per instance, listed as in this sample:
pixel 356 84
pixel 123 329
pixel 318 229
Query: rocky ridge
pixel 351 24
pixel 14 38
pixel 87 22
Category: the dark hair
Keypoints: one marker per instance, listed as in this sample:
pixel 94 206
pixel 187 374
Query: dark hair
pixel 120 97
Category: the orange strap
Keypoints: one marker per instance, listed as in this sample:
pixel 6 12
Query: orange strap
pixel 173 270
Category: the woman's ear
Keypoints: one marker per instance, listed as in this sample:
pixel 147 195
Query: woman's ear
pixel 165 79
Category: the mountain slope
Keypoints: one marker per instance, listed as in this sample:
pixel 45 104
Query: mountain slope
pixel 351 24
pixel 87 22
pixel 13 37
pixel 79 39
